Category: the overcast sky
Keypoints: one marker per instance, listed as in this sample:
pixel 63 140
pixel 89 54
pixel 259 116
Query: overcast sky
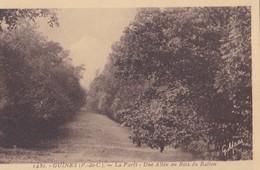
pixel 89 34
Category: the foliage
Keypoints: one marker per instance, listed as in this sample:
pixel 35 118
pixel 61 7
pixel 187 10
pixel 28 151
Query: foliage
pixel 39 87
pixel 182 77
pixel 11 17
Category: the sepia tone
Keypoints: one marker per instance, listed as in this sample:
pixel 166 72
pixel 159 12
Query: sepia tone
pixel 174 85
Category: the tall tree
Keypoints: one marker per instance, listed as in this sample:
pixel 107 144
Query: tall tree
pixel 41 87
pixel 186 76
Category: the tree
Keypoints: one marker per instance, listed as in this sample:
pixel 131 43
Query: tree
pixel 41 88
pixel 10 17
pixel 182 77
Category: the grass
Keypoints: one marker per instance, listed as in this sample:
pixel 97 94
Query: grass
pixel 90 137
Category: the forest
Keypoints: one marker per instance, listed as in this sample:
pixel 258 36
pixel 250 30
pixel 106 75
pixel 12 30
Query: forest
pixel 181 77
pixel 177 77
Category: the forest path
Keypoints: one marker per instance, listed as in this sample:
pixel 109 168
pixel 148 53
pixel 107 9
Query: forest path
pixel 90 137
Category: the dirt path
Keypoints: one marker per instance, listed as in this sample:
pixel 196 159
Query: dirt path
pixel 90 137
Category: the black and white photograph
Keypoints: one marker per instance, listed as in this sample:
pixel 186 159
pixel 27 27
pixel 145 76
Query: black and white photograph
pixel 136 84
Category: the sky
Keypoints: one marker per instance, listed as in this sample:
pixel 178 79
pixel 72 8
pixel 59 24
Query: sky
pixel 88 34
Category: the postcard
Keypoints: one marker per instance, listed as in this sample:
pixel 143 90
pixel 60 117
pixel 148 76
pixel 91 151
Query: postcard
pixel 129 84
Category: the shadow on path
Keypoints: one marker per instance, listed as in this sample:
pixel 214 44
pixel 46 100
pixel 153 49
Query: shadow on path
pixel 90 137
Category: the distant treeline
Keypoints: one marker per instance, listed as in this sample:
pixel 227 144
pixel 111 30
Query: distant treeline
pixel 181 77
pixel 39 87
